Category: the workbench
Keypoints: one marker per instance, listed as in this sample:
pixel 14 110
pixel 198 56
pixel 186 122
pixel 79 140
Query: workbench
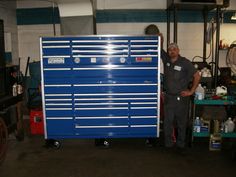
pixel 7 104
pixel 11 121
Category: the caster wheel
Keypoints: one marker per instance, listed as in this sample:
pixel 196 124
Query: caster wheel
pixel 102 143
pixel 56 145
pixel 106 143
pixel 51 143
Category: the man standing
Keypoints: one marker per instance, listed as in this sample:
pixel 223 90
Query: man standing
pixel 178 73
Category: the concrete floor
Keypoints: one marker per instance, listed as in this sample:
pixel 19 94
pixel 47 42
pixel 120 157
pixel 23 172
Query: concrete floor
pixel 126 158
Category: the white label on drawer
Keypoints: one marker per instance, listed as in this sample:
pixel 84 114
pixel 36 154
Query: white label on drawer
pixel 93 60
pixel 56 61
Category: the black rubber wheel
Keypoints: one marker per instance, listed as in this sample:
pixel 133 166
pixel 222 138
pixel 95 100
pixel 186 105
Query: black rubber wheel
pixel 106 144
pixel 56 144
pixel 51 143
pixel 102 142
pixel 3 140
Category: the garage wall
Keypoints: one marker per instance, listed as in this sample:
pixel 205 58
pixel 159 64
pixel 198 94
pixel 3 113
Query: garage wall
pixel 34 19
pixel 131 4
pixel 8 15
pixel 28 37
pixel 124 17
pixel 30 4
pixel 190 36
pixel 141 4
pixel 190 28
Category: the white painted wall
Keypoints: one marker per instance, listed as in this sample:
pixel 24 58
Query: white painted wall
pixel 8 15
pixel 140 4
pixel 29 34
pixel 232 5
pixel 190 35
pixel 33 3
pixel 131 4
pixel 28 40
pixel 110 4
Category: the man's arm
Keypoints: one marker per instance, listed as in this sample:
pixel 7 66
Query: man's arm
pixel 164 55
pixel 196 80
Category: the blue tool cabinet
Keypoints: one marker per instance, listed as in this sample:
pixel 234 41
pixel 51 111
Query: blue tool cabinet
pixel 100 86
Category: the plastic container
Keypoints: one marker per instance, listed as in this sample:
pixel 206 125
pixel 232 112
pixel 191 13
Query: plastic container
pixel 36 122
pixel 14 90
pixel 197 125
pixel 200 92
pixel 229 126
pixel 216 126
pixel 205 125
pixel 19 89
pixel 215 142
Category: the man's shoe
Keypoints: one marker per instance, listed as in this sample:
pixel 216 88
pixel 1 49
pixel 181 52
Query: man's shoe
pixel 102 143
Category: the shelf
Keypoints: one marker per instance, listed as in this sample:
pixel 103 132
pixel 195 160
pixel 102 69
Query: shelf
pixel 215 102
pixel 207 134
pixel 229 135
pixel 201 134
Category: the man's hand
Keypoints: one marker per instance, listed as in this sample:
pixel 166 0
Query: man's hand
pixel 186 93
pixel 196 79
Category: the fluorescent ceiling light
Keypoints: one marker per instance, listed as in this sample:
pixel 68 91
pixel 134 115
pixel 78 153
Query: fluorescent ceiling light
pixel 234 16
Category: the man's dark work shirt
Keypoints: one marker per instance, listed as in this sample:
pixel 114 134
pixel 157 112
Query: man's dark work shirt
pixel 177 75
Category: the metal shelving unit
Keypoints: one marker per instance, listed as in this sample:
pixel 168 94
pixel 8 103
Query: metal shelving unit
pixel 229 102
pixel 207 134
pixel 176 5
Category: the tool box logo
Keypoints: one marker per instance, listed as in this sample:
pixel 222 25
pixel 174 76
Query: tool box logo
pixel 143 59
pixel 56 61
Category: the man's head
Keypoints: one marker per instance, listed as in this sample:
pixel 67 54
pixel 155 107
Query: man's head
pixel 173 51
pixel 152 30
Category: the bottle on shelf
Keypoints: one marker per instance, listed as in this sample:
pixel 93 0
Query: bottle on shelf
pixel 215 142
pixel 14 90
pixel 222 126
pixel 200 92
pixel 216 126
pixel 229 126
pixel 197 125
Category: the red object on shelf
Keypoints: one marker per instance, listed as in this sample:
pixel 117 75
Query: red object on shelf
pixel 36 122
